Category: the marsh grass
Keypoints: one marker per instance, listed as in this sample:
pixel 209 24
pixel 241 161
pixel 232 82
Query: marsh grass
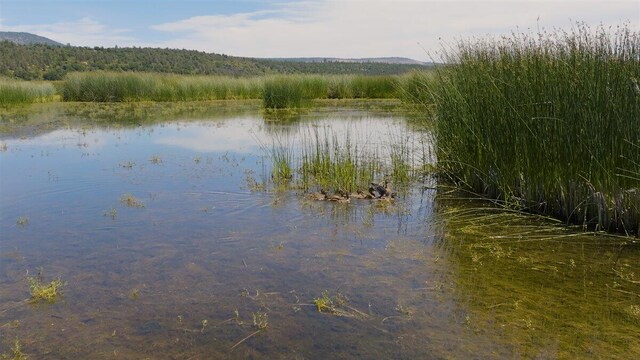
pixel 284 92
pixel 545 123
pixel 25 92
pixel 294 91
pixel 345 162
pixel 276 92
pixel 349 162
pixel 130 87
pixel 336 164
pixel 282 158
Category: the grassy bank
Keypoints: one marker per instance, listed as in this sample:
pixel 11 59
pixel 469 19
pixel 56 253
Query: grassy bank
pixel 277 92
pixel 14 92
pixel 545 123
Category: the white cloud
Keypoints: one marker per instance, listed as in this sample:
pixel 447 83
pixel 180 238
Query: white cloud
pixel 379 28
pixel 83 32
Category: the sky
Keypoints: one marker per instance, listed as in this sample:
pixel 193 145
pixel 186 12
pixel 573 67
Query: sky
pixel 417 29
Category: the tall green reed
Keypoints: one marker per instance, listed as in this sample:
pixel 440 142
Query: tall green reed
pixel 127 87
pixel 277 92
pixel 292 91
pixel 547 123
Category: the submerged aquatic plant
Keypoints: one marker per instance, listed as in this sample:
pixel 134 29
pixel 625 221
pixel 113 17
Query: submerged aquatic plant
pixel 16 352
pixel 260 320
pixel 324 303
pixel 112 213
pixel 22 221
pixel 336 305
pixel 41 291
pixel 131 201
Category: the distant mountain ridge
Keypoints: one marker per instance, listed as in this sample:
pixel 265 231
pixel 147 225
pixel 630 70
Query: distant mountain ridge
pixel 379 60
pixel 24 38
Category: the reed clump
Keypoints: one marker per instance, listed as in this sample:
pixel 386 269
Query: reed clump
pixel 546 123
pixel 14 92
pixel 285 92
pixel 332 163
pixel 345 162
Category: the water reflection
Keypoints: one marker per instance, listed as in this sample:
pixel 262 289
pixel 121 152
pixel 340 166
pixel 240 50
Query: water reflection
pixel 233 135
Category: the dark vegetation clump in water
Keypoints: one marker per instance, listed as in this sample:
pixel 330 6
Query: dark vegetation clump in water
pixel 546 123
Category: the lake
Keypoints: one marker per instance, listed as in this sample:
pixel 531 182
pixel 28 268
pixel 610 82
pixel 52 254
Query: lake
pixel 172 242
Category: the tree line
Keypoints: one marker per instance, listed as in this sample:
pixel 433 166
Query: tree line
pixel 45 62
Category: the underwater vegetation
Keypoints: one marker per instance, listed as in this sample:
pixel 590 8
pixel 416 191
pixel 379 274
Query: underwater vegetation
pixel 43 291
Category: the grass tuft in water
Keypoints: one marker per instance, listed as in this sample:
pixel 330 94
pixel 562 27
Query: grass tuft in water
pixel 345 164
pixel 131 201
pixel 324 303
pixel 260 320
pixel 22 221
pixel 41 291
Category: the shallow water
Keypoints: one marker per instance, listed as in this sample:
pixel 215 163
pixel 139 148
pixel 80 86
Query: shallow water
pixel 429 276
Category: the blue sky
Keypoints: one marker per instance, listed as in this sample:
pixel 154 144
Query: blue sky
pixel 336 28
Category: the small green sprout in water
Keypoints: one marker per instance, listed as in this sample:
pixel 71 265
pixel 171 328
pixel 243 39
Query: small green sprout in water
pixel 404 310
pixel 325 303
pixel 634 311
pixel 131 201
pixel 156 159
pixel 252 183
pixel 41 291
pixel 16 352
pixel 337 305
pixel 135 293
pixel 111 213
pixel 127 164
pixel 237 317
pixel 204 325
pixel 197 159
pixel 260 320
pixel 22 221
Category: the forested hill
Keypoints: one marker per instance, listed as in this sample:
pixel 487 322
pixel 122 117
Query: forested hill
pixel 37 61
pixel 25 38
